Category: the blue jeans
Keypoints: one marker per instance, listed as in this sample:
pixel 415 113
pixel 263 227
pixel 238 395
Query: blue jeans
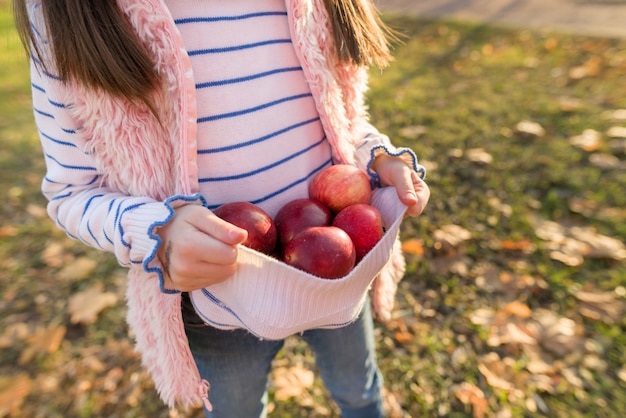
pixel 237 365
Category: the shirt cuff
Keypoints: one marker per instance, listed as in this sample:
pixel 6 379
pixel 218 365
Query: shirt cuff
pixel 163 215
pixel 405 154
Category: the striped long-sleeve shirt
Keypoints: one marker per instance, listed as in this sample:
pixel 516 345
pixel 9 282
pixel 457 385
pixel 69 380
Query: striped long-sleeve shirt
pixel 259 134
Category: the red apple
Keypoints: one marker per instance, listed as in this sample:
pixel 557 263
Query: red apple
pixel 340 186
pixel 298 215
pixel 262 235
pixel 364 224
pixel 324 251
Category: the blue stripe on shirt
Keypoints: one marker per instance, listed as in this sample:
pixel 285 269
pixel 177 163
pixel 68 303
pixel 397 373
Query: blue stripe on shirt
pixel 283 189
pixel 43 71
pixel 257 140
pixel 58 141
pixel 61 196
pixel 253 109
pixel 42 113
pixel 37 87
pixel 73 167
pixel 246 78
pixel 237 47
pixel 52 102
pixel 226 18
pixel 63 228
pixel 267 167
pixel 119 217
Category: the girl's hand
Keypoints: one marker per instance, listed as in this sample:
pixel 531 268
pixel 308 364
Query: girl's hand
pixel 411 189
pixel 198 249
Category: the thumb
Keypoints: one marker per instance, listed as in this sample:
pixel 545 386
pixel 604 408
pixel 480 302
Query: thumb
pixel 221 230
pixel 227 232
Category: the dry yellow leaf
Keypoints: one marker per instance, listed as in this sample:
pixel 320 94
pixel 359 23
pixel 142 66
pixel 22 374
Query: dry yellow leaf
pixel 590 140
pixel 85 306
pixel 13 391
pixel 44 341
pixel 470 394
pixel 518 309
pixel 292 382
pixel 78 269
pixel 8 231
pixel 517 245
pixel 556 334
pixel 451 236
pixel 413 246
pixel 603 306
pixel 498 372
pixel 55 255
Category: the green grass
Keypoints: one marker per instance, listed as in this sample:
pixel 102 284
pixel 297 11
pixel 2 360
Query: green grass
pixel 460 87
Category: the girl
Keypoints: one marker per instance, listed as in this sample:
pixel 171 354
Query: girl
pixel 153 112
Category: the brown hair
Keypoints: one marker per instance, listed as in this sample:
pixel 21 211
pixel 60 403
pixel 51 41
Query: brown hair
pixel 360 35
pixel 100 49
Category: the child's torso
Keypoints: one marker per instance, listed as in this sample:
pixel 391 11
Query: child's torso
pixel 259 134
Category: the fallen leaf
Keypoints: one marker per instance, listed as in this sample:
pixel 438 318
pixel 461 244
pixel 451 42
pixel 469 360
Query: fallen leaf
pixel 470 394
pixel 85 306
pixel 483 317
pixel 451 263
pixel 617 114
pixel 44 341
pixel 413 246
pixel 37 211
pixel 579 72
pixel 503 208
pixel 8 231
pixel 590 140
pixel 518 309
pixel 392 404
pixel 292 382
pixel 112 379
pixel 403 336
pixel 605 306
pixel 571 245
pixel 551 44
pixel 599 246
pixel 479 155
pixel 13 333
pixel 488 277
pixel 539 362
pixel 13 391
pixel 55 255
pixel 529 129
pixel 582 206
pixel 449 237
pixel 618 146
pixel 78 269
pixel 535 404
pixel 593 66
pixel 616 132
pixel 557 334
pixel 569 104
pixel 413 132
pixel 496 371
pixel 524 245
pixel 570 255
pixel 573 378
pixel 605 161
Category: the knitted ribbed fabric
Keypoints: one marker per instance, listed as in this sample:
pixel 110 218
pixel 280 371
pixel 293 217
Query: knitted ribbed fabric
pixel 274 300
